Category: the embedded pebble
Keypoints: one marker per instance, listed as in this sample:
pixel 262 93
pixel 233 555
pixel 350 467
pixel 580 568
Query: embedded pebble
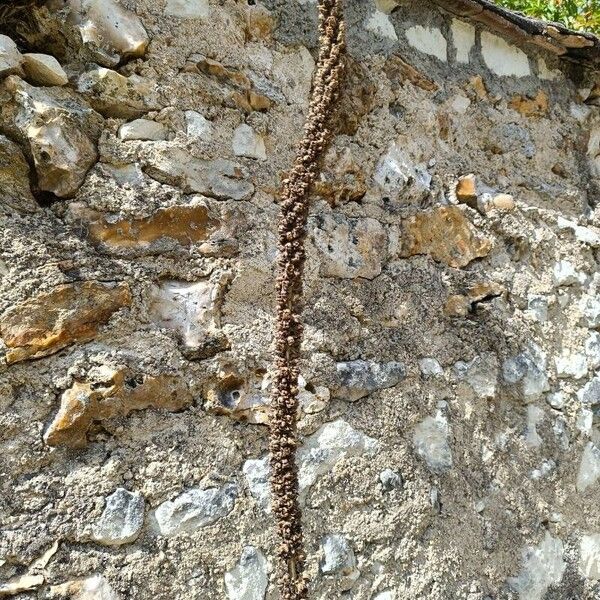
pixel 249 578
pixel 246 142
pixel 122 519
pixel 359 378
pixel 430 439
pixel 44 69
pixel 142 129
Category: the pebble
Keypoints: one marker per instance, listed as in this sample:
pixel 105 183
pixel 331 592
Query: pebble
pixel 571 365
pixel 194 509
pixel 142 129
pixel 430 367
pixel 430 439
pixel 10 57
pixel 198 126
pixel 390 480
pixel 589 556
pixel 44 69
pixel 249 579
pixel 339 560
pixel 481 374
pixel 359 378
pixel 589 467
pixel 122 519
pixel 248 143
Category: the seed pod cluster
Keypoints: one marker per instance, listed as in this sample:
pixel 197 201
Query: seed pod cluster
pixel 288 328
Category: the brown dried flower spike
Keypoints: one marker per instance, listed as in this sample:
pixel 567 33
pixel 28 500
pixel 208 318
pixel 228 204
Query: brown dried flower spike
pixel 292 231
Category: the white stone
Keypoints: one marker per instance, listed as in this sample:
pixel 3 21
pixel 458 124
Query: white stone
pixel 249 579
pixel 528 369
pixel 543 566
pixel 430 367
pixel 565 274
pixel 379 23
pixel 190 309
pixel 142 129
pixel 589 307
pixel 589 556
pixel 537 307
pixel 481 374
pixel 359 378
pixel 535 416
pixel 387 595
pixel 10 57
pixel 96 588
pixel 122 519
pixel 571 365
pixel 198 126
pixel 349 248
pixel 589 468
pixel 429 40
pixel 463 35
pixel 430 439
pixel 548 74
pixel 395 172
pixel 592 349
pixel 390 480
pixel 585 420
pixel 108 27
pixel 194 509
pixel 246 142
pixel 557 400
pixel 332 443
pixel 188 9
pixel 503 58
pixel 44 69
pixel 586 235
pixel 461 104
pixel 338 556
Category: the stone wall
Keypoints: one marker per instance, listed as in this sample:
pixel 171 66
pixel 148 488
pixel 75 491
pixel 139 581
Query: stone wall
pixel 449 395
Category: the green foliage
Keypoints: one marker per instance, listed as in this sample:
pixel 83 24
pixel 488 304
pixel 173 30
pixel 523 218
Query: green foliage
pixel 576 14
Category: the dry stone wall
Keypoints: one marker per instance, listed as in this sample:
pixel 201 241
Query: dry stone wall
pixel 450 393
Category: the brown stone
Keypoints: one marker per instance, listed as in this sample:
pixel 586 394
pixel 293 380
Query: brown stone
pixel 531 107
pixel 446 235
pixel 398 70
pixel 15 191
pixel 259 23
pixel 459 305
pixel 341 179
pixel 186 224
pixel 67 314
pixel 478 86
pixel 117 394
pixel 466 190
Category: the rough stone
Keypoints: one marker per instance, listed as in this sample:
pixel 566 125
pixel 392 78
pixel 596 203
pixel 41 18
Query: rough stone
pixel 110 393
pixel 446 235
pixel 592 349
pixel 390 480
pixel 44 69
pixel 571 365
pixel 430 439
pixel 218 178
pixel 509 138
pixel 122 519
pixel 466 189
pixel 109 30
pixel 198 126
pixel 589 467
pixel 195 509
pixel 246 142
pixel 349 248
pixel 430 367
pixel 65 315
pixel 589 556
pixel 143 129
pixel 536 106
pixel 342 178
pixel 481 374
pixel 564 274
pixel 527 369
pixel 359 378
pixel 10 57
pixel 543 566
pixel 187 9
pixel 248 580
pixel 114 95
pixel 95 587
pixel 15 191
pixel 338 556
pixel 590 309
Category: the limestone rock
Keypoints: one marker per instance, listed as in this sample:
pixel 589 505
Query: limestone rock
pixel 55 129
pixel 390 480
pixel 191 310
pixel 143 129
pixel 10 57
pixel 187 9
pixel 92 588
pixel 44 69
pixel 592 349
pixel 110 393
pixel 249 579
pixel 218 178
pixel 589 468
pixel 565 274
pixel 349 248
pixel 590 311
pixel 65 315
pixel 338 559
pixel 528 369
pixel 246 142
pixel 589 556
pixel 528 106
pixel 466 190
pixel 195 509
pixel 331 443
pixel 122 519
pixel 430 367
pixel 110 31
pixel 114 95
pixel 543 566
pixel 481 374
pixel 198 126
pixel 14 174
pixel 379 23
pixel 359 378
pixel 571 365
pixel 430 439
pixel 182 225
pixel 446 235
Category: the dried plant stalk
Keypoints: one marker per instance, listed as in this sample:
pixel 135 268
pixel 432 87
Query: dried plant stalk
pixel 292 231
